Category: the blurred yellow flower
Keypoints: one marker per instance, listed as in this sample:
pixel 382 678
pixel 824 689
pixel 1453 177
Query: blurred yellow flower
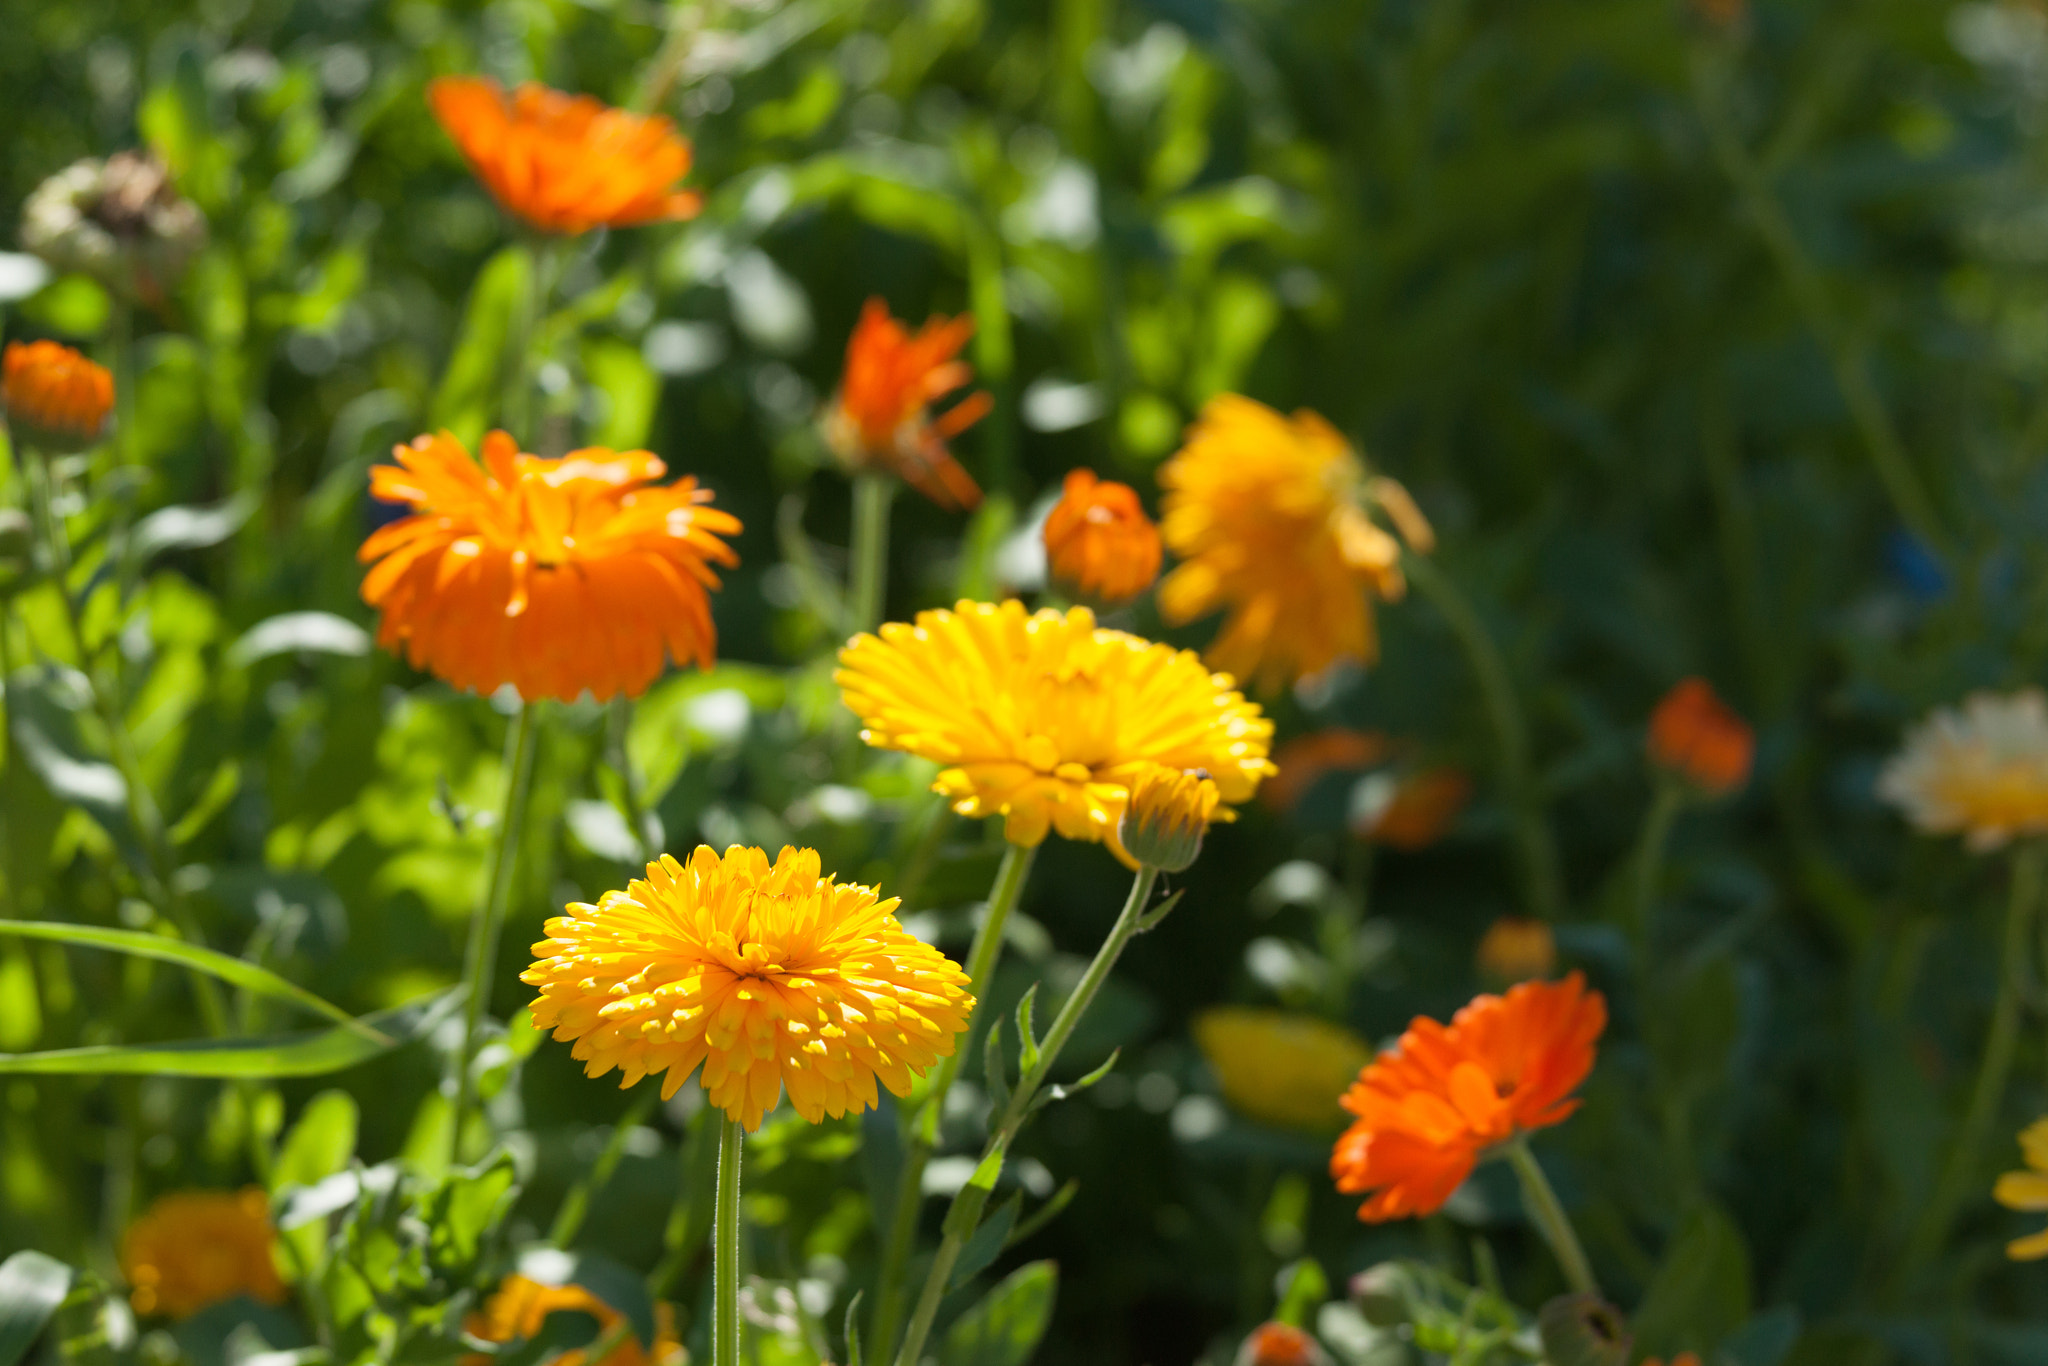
pixel 768 976
pixel 1281 1068
pixel 192 1249
pixel 1046 720
pixel 1271 517
pixel 1981 770
pixel 2027 1190
pixel 1168 813
pixel 519 1307
pixel 1517 949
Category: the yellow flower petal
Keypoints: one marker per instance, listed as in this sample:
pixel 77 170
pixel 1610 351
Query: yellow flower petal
pixel 2022 1190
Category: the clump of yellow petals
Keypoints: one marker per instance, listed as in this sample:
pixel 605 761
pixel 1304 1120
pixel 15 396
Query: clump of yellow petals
pixel 192 1249
pixel 2028 1190
pixel 768 976
pixel 1980 770
pixel 1271 517
pixel 1046 720
pixel 519 1308
pixel 1281 1068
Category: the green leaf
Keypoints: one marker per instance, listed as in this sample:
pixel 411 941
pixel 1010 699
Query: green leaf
pixel 1765 1340
pixel 321 633
pixel 1700 1293
pixel 1027 1036
pixel 470 1203
pixel 965 1211
pixel 1075 1088
pixel 246 1059
pixel 994 1069
pixel 853 1329
pixel 467 400
pixel 220 790
pixel 32 1285
pixel 188 528
pixel 987 1243
pixel 1304 1286
pixel 1005 1328
pixel 234 971
pixel 630 388
pixel 320 1144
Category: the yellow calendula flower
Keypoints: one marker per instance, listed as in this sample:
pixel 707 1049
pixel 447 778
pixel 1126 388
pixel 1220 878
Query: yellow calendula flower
pixel 192 1249
pixel 1279 1067
pixel 2027 1190
pixel 1045 719
pixel 1168 813
pixel 768 976
pixel 1980 770
pixel 1271 517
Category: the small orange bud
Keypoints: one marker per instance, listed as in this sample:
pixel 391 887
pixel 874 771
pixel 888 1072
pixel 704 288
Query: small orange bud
pixel 1517 949
pixel 54 397
pixel 1279 1344
pixel 1414 810
pixel 1694 735
pixel 1098 540
pixel 1682 1359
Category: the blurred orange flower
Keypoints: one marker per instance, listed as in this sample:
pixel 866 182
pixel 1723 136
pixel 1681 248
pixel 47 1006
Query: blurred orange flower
pixel 1098 540
pixel 1682 1359
pixel 54 397
pixel 1429 1107
pixel 556 576
pixel 1279 1344
pixel 519 1307
pixel 1413 810
pixel 1304 760
pixel 1695 736
pixel 192 1249
pixel 565 163
pixel 1517 949
pixel 1271 517
pixel 880 419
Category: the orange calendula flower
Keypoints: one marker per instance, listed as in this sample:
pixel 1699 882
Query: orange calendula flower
pixel 192 1249
pixel 1047 720
pixel 1305 760
pixel 1272 519
pixel 1430 1106
pixel 1410 810
pixel 2028 1191
pixel 518 1309
pixel 1682 1359
pixel 1098 540
pixel 54 397
pixel 1279 1344
pixel 1517 949
pixel 556 576
pixel 881 417
pixel 769 976
pixel 1694 735
pixel 1980 770
pixel 565 163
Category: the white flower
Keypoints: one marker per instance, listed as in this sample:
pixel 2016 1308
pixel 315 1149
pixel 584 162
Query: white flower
pixel 1981 770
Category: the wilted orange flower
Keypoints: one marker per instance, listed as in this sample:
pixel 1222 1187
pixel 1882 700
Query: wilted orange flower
pixel 1304 760
pixel 518 1309
pixel 1410 810
pixel 1279 1344
pixel 769 976
pixel 1271 517
pixel 54 397
pixel 1428 1107
pixel 1045 719
pixel 1694 735
pixel 1516 949
pixel 192 1249
pixel 556 576
pixel 881 417
pixel 1099 541
pixel 565 163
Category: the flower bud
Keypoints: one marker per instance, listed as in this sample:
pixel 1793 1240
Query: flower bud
pixel 119 220
pixel 54 398
pixel 1168 813
pixel 1695 737
pixel 1280 1344
pixel 1517 949
pixel 1583 1330
pixel 1384 1294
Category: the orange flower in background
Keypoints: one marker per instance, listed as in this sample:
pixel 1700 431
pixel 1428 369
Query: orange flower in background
pixel 1098 540
pixel 1279 1344
pixel 192 1249
pixel 1695 736
pixel 1272 519
pixel 565 163
pixel 1412 810
pixel 1305 760
pixel 1431 1105
pixel 1682 1359
pixel 881 420
pixel 54 397
pixel 519 1307
pixel 555 576
pixel 1517 949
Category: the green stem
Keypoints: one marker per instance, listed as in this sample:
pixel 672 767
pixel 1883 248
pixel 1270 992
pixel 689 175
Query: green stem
pixel 995 353
pixel 1545 887
pixel 646 831
pixel 725 1234
pixel 1342 916
pixel 1649 860
pixel 868 581
pixel 959 1230
pixel 1930 1234
pixel 902 1235
pixel 576 1204
pixel 517 410
pixel 484 926
pixel 1551 1220
pixel 687 19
